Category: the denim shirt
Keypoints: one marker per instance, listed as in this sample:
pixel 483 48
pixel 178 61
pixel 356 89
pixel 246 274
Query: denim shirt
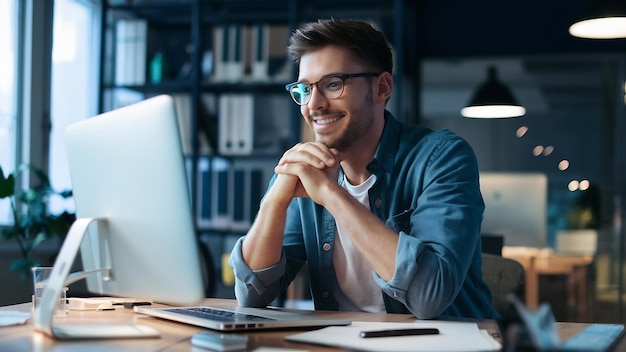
pixel 427 191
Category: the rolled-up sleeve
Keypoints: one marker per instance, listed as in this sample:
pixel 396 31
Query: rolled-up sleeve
pixel 434 256
pixel 255 288
pixel 423 285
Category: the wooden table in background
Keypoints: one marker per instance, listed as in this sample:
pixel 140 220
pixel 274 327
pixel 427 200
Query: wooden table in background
pixel 538 262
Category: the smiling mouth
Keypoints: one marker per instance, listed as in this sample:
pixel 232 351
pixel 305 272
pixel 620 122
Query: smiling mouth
pixel 326 121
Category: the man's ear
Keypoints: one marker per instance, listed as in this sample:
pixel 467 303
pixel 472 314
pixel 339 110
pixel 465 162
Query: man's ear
pixel 384 87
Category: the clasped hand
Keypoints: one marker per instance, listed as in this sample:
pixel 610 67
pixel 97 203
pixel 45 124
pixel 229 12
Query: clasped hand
pixel 308 170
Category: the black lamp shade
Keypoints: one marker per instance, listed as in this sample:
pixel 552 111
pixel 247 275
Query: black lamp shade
pixel 493 99
pixel 493 92
pixel 604 8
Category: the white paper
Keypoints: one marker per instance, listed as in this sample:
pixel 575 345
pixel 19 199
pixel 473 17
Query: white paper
pixel 275 349
pixel 453 336
pixel 9 317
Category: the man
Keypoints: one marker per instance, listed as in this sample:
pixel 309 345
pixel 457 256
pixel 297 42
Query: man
pixel 386 216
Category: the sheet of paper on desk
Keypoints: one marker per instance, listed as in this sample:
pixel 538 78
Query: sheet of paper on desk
pixel 8 317
pixel 453 336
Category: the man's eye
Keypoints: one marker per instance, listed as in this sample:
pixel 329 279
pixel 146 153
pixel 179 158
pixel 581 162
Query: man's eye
pixel 333 85
pixel 305 89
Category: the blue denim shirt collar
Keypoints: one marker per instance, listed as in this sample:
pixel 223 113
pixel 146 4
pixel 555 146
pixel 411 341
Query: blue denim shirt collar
pixel 387 148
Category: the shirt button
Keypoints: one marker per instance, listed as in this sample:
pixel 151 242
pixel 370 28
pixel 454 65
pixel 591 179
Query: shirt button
pixel 325 294
pixel 378 202
pixel 326 246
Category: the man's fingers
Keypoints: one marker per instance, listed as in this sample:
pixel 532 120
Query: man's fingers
pixel 315 154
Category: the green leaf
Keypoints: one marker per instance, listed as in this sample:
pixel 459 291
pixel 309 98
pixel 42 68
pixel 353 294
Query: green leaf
pixel 43 177
pixel 10 233
pixel 33 224
pixel 22 266
pixel 59 225
pixel 30 196
pixel 40 237
pixel 7 185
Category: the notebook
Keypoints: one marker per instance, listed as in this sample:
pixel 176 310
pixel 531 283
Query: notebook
pixel 240 318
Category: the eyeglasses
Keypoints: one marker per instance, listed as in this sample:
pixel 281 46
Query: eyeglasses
pixel 331 87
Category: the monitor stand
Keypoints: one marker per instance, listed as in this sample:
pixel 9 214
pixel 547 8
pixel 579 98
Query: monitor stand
pixel 59 278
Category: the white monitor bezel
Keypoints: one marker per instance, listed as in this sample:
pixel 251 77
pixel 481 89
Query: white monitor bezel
pixel 128 173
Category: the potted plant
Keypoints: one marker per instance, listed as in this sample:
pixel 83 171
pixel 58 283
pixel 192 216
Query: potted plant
pixel 582 225
pixel 32 224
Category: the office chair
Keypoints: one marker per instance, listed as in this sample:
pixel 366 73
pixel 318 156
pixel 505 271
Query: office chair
pixel 503 276
pixel 208 269
pixel 492 243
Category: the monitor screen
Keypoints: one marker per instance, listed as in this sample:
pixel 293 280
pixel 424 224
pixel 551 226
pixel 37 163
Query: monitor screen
pixel 515 207
pixel 127 167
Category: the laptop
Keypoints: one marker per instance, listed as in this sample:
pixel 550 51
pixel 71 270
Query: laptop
pixel 224 318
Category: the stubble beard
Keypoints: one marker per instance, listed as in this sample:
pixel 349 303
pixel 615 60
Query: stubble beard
pixel 361 121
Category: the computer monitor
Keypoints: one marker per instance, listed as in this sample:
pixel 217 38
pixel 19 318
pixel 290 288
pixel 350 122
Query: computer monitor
pixel 133 211
pixel 515 207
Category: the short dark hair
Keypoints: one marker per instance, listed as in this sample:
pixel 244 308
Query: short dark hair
pixel 366 43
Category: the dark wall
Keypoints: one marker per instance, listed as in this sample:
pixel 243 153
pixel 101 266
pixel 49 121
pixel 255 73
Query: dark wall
pixel 450 28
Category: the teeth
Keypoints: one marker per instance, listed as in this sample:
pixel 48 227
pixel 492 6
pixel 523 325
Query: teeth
pixel 324 122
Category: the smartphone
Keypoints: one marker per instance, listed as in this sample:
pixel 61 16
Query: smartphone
pixel 219 342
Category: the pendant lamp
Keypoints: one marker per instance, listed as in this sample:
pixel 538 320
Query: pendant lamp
pixel 493 99
pixel 603 19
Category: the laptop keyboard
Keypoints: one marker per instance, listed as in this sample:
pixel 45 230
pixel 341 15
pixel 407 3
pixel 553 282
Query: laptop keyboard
pixel 217 314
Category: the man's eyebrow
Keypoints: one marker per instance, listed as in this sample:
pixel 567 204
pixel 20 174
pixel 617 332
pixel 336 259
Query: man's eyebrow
pixel 324 76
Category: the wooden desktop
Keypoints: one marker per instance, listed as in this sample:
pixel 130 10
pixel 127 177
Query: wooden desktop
pixel 176 336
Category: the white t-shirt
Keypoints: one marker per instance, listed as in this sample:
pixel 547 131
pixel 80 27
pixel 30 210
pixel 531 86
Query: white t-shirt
pixel 359 291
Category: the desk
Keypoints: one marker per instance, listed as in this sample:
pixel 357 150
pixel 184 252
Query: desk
pixel 538 261
pixel 176 337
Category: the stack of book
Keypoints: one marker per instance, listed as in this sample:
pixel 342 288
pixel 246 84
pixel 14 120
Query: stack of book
pixel 250 53
pixel 130 52
pixel 230 191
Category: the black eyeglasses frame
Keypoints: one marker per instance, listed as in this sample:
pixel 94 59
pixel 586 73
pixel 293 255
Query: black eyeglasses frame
pixel 342 76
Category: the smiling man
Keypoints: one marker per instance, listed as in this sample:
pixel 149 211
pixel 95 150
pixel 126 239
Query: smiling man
pixel 386 216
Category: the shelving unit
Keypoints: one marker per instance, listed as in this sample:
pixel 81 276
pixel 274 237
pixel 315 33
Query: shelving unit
pixel 183 31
